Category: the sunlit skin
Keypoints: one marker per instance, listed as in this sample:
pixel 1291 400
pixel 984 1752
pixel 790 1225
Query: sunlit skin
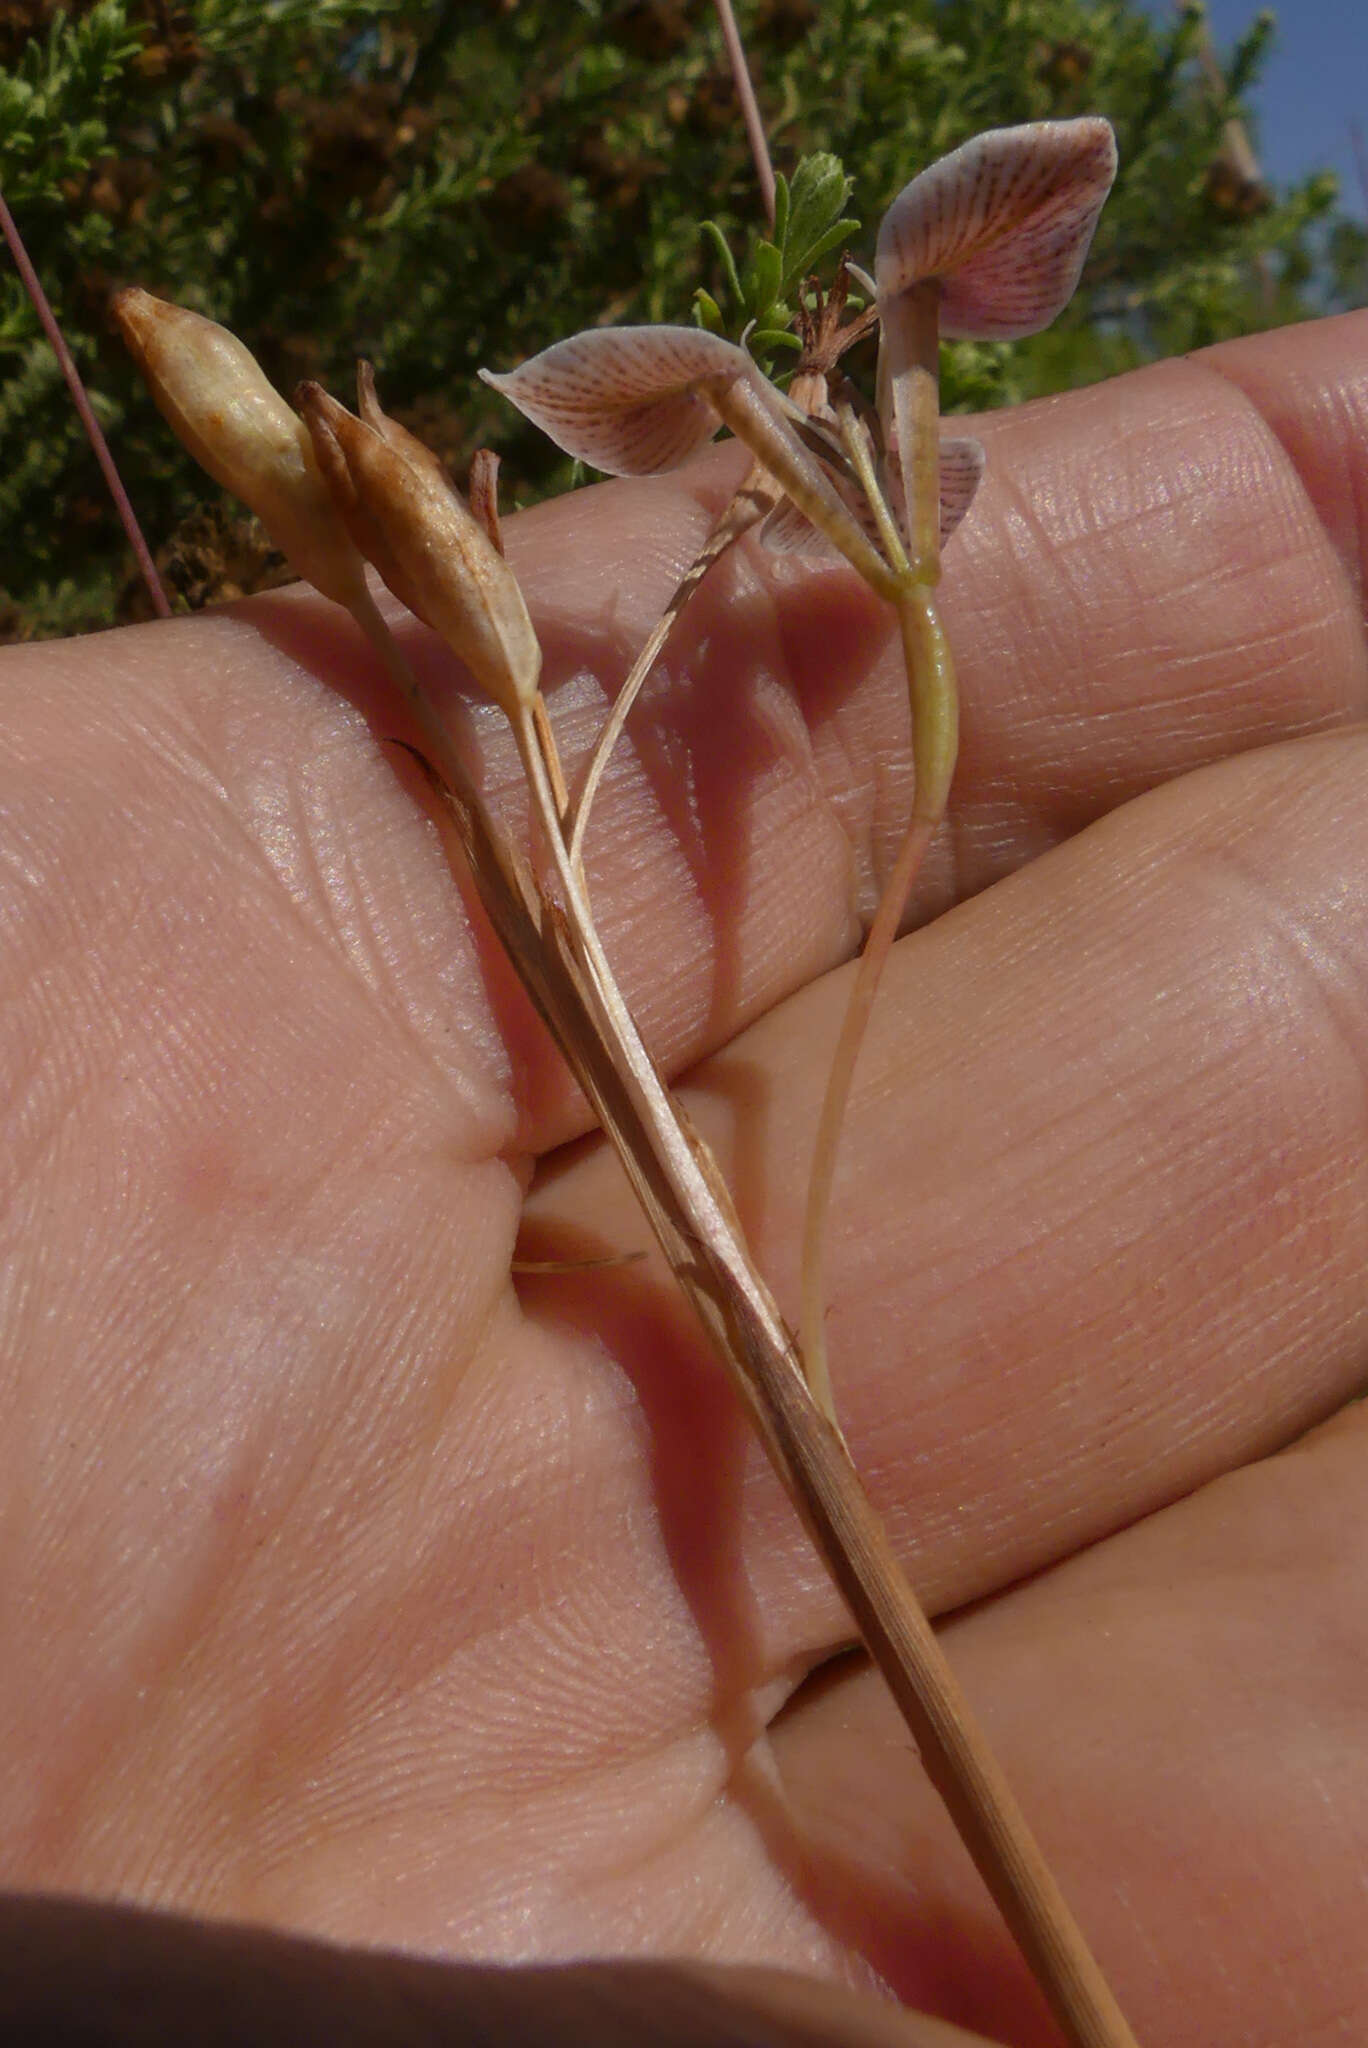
pixel 353 1585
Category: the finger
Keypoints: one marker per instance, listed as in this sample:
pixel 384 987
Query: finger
pixel 1153 578
pixel 113 1977
pixel 1167 570
pixel 1180 1712
pixel 1100 1222
pixel 1146 585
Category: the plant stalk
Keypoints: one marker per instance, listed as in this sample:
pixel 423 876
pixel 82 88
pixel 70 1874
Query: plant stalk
pixel 909 374
pixel 559 957
pixel 94 433
pixel 752 500
pixel 935 724
pixel 741 406
pixel 750 110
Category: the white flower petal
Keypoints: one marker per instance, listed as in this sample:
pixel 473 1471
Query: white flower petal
pixel 625 398
pixel 1003 224
pixel 786 531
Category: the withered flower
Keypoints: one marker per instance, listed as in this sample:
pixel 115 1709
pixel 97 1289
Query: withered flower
pixel 220 405
pixel 406 517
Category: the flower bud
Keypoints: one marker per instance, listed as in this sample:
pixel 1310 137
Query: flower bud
pixel 212 392
pixel 406 517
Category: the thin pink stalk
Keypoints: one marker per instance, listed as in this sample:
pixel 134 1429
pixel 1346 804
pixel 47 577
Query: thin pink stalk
pixel 868 975
pixel 66 363
pixel 750 110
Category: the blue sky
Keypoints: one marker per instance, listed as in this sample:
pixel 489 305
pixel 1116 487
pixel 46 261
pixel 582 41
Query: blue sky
pixel 1314 83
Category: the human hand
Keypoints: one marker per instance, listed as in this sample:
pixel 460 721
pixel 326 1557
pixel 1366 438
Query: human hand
pixel 356 1588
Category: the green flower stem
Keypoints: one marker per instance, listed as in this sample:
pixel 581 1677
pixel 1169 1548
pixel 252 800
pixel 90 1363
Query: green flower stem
pixel 856 444
pixel 757 422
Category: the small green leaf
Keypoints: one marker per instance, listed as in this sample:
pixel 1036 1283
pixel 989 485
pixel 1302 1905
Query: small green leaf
pixel 781 210
pixel 722 251
pixel 839 233
pixel 707 313
pixel 764 340
pixel 816 202
pixel 764 274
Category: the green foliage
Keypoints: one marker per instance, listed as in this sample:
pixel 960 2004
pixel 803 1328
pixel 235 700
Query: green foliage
pixel 439 186
pixel 56 106
pixel 810 222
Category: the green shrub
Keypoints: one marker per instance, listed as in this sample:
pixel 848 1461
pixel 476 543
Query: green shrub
pixel 441 187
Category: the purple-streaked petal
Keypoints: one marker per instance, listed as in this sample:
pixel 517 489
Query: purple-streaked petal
pixel 962 462
pixel 625 399
pixel 786 531
pixel 1003 224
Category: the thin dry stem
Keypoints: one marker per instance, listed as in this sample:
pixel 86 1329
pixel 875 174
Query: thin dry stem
pixel 935 722
pixel 821 1178
pixel 94 433
pixel 561 962
pixel 436 738
pixel 608 1262
pixel 549 755
pixel 562 965
pixel 482 492
pixel 753 499
pixel 750 110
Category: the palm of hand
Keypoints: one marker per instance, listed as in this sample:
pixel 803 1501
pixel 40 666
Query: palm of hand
pixel 359 1587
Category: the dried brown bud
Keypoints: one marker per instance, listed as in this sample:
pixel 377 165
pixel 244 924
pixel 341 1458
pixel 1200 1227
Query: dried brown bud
pixel 219 404
pixel 407 518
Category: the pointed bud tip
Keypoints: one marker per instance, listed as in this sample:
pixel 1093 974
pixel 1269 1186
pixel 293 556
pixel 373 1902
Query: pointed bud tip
pixel 408 520
pixel 367 399
pixel 136 314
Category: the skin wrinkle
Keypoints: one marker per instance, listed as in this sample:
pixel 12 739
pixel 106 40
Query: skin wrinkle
pixel 389 1563
pixel 1312 439
pixel 310 832
pixel 1070 533
pixel 283 1508
pixel 850 837
pixel 1341 570
pixel 1306 955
